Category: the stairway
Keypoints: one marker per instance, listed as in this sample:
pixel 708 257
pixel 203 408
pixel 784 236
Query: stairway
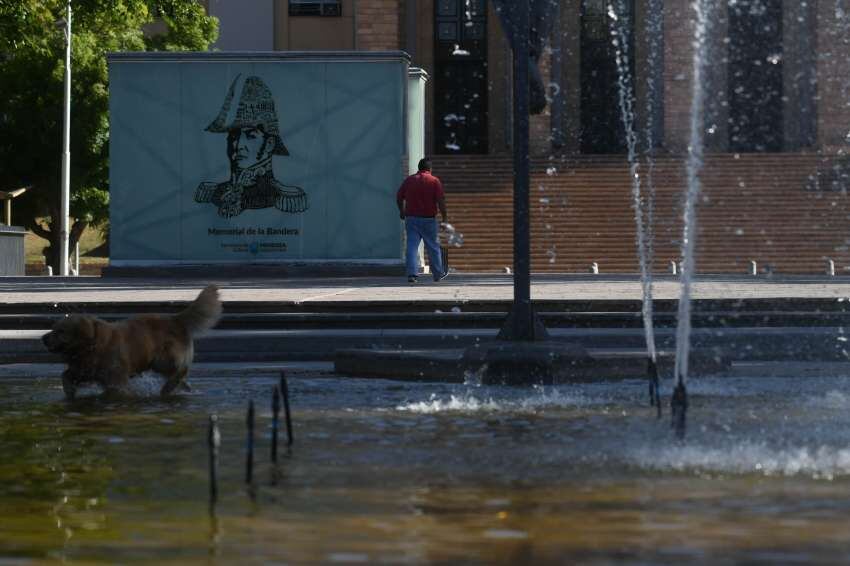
pixel 761 207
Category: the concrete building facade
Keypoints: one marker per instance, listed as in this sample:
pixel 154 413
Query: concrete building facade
pixel 782 89
pixel 776 122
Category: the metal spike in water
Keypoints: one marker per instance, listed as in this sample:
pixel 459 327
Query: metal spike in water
pixel 284 391
pixel 654 387
pixel 249 444
pixel 213 443
pixel 275 420
pixel 679 409
pixel 653 391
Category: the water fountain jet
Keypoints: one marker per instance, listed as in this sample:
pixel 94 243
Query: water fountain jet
pixel 620 20
pixel 679 401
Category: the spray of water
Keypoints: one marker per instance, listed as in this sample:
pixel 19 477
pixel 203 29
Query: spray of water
pixel 621 39
pixel 694 166
pixel 655 46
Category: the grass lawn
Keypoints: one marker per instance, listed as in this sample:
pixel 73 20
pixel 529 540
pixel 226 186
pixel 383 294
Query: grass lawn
pixel 89 265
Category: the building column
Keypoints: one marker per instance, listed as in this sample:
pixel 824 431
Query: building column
pixel 799 63
pixel 679 36
pixel 499 81
pixel 717 78
pixel 678 71
pixel 833 70
pixel 566 118
pixel 540 125
pixel 281 24
pixel 649 71
pixel 410 38
pixel 425 60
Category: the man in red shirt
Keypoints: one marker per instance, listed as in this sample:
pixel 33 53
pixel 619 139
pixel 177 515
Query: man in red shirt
pixel 418 199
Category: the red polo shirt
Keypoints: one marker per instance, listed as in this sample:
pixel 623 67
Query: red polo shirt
pixel 420 193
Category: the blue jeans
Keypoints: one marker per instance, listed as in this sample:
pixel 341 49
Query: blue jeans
pixel 419 229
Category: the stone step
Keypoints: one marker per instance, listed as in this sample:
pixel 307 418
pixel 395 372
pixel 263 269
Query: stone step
pixel 826 344
pixel 474 319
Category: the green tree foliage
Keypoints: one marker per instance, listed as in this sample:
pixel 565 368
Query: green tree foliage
pixel 32 66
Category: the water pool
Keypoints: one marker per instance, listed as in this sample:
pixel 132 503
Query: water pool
pixel 389 472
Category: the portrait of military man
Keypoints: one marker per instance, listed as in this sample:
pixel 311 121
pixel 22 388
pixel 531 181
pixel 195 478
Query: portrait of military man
pixel 253 138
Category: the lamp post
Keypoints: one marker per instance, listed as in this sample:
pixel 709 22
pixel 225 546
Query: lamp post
pixel 523 352
pixel 522 323
pixel 65 198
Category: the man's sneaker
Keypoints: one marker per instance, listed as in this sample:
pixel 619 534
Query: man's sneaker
pixel 411 279
pixel 440 277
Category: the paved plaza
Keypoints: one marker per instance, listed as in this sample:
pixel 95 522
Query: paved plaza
pixel 461 288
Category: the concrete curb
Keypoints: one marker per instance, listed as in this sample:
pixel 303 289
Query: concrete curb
pixel 457 366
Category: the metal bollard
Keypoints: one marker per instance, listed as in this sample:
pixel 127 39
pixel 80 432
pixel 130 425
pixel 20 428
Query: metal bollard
pixel 754 268
pixel 594 268
pixel 830 268
pixel 249 448
pixel 673 267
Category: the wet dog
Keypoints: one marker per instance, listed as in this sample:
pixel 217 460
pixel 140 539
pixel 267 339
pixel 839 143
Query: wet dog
pixel 110 353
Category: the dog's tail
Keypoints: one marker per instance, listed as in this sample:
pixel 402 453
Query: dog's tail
pixel 203 313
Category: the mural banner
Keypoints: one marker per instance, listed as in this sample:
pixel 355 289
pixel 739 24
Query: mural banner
pixel 225 157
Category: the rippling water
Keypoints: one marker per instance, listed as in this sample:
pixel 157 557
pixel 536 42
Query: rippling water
pixel 388 472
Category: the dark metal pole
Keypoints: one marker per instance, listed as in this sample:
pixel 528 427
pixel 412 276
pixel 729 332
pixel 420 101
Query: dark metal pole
pixel 522 323
pixel 522 240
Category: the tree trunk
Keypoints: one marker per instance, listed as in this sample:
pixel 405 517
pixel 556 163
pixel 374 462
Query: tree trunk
pixel 46 232
pixel 74 236
pixel 52 234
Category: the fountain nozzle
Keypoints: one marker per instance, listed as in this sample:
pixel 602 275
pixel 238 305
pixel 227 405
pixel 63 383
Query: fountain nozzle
pixel 678 408
pixel 652 375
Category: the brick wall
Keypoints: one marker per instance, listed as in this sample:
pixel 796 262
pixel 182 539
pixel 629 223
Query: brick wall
pixel 380 25
pixel 756 207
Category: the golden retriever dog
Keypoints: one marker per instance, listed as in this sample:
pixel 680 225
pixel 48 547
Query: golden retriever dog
pixel 110 353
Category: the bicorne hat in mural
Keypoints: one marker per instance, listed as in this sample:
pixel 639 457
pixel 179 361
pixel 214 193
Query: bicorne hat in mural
pixel 254 107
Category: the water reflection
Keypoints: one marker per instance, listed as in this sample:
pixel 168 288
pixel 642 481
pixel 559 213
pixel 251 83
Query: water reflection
pixel 394 472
